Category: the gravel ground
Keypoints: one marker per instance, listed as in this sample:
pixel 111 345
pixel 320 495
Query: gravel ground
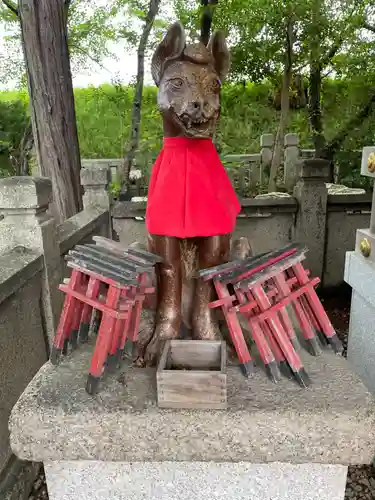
pixel 361 479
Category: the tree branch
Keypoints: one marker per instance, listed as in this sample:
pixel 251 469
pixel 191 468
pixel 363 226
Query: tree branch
pixel 87 54
pixel 11 6
pixel 356 121
pixel 369 27
pixel 331 53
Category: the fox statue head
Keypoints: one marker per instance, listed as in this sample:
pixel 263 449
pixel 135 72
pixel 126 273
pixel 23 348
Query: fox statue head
pixel 189 79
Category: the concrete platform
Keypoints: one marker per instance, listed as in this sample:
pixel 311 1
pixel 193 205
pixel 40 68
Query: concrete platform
pixel 333 422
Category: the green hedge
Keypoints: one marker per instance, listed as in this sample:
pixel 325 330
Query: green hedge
pixel 104 114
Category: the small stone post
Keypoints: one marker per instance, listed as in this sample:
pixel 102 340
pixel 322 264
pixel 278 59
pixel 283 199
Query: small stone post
pixel 312 195
pixel 24 203
pixel 267 142
pixel 95 180
pixel 291 160
pixel 360 275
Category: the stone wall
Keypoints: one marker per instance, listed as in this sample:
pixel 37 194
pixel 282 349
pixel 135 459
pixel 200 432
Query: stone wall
pixel 323 216
pixel 248 171
pixel 32 250
pixel 267 223
pixel 23 345
pixel 345 214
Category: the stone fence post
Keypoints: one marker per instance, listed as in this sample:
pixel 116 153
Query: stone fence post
pixel 95 180
pixel 312 195
pixel 291 160
pixel 267 142
pixel 24 203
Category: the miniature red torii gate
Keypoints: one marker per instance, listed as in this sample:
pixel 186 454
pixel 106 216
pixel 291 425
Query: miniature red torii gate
pixel 115 282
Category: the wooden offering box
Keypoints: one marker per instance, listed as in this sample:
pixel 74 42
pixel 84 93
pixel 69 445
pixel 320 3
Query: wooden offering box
pixel 192 374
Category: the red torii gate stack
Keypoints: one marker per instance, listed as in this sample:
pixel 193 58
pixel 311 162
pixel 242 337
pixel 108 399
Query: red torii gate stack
pixel 114 282
pixel 106 278
pixel 260 288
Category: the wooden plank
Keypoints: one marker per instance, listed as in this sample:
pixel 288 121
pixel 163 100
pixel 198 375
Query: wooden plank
pixel 76 253
pixel 197 354
pixel 142 257
pixel 163 359
pixel 151 257
pixel 77 256
pixel 197 386
pixel 270 271
pixel 193 406
pixel 111 256
pixel 191 387
pixel 102 270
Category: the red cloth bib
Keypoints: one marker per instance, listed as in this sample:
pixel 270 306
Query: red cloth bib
pixel 190 193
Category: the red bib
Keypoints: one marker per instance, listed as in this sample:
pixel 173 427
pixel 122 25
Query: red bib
pixel 190 193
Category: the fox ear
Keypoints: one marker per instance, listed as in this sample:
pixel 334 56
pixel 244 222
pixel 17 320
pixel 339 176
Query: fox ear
pixel 220 53
pixel 171 47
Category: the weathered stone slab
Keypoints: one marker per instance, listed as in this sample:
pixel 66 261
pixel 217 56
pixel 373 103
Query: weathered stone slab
pixel 331 422
pixel 194 481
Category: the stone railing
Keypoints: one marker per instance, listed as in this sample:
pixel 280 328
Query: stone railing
pixel 323 216
pixel 32 250
pixel 249 172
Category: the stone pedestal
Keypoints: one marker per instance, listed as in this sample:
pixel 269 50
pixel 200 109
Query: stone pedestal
pixel 194 481
pixel 274 441
pixel 311 193
pixel 360 275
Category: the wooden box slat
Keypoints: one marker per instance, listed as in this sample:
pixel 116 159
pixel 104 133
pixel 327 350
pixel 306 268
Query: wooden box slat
pixel 198 379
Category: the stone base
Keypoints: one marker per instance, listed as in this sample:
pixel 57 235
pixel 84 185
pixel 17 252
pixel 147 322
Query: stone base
pixel 360 275
pixel 194 481
pixel 331 422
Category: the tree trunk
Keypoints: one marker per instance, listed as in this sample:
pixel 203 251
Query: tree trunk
pixel 52 101
pixel 315 112
pixel 25 146
pixel 287 79
pixel 315 82
pixel 137 103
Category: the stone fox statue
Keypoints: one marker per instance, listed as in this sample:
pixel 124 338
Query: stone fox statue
pixel 191 202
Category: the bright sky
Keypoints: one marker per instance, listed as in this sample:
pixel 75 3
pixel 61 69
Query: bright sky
pixel 123 69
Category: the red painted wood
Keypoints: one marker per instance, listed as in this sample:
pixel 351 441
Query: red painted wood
pixel 105 333
pixel 303 321
pixel 234 326
pixel 92 293
pixel 276 328
pixel 95 303
pixel 314 302
pixel 264 349
pixel 64 326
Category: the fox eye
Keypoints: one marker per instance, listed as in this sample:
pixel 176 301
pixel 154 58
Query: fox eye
pixel 176 83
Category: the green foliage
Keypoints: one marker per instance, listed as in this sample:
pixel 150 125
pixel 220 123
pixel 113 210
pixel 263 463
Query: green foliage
pixel 104 120
pixel 13 122
pixel 92 27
